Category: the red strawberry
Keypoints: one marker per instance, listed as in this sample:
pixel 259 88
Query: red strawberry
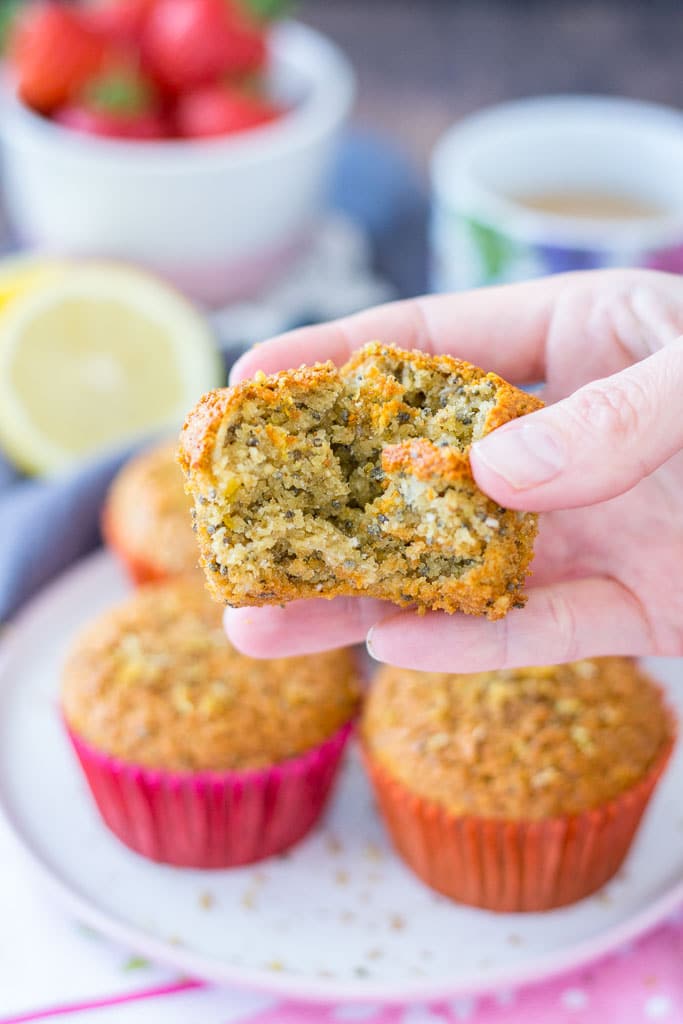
pixel 54 53
pixel 219 110
pixel 188 43
pixel 121 21
pixel 111 126
pixel 120 105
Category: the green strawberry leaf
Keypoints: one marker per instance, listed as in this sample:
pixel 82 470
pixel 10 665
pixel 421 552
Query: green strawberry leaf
pixel 270 10
pixel 122 93
pixel 9 9
pixel 251 85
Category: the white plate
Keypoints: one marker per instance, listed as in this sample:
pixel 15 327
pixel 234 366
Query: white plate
pixel 340 917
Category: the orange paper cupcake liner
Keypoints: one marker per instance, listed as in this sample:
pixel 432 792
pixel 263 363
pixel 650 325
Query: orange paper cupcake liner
pixel 139 570
pixel 511 866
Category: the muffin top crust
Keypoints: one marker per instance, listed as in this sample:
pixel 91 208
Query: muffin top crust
pixel 526 743
pixel 148 512
pixel 155 682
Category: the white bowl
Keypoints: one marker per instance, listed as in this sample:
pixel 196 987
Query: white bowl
pixel 217 217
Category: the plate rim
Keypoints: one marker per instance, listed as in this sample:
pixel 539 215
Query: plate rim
pixel 304 988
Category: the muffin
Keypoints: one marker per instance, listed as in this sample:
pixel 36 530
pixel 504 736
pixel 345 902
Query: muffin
pixel 195 754
pixel 519 790
pixel 146 517
pixel 319 482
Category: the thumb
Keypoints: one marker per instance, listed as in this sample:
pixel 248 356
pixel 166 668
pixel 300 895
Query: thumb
pixel 591 446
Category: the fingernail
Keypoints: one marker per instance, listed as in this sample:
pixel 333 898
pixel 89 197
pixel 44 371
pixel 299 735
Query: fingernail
pixel 368 644
pixel 524 456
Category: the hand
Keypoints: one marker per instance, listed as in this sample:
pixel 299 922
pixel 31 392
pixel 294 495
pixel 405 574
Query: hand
pixel 604 463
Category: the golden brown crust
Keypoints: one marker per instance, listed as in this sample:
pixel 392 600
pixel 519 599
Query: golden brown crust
pixel 522 744
pixel 510 401
pixel 200 427
pixel 217 408
pixel 146 516
pixel 423 460
pixel 401 561
pixel 155 682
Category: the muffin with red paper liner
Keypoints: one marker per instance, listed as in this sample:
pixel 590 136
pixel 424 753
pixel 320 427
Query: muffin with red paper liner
pixel 518 790
pixel 196 755
pixel 146 519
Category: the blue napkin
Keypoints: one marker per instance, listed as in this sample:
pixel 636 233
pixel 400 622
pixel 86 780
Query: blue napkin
pixel 47 524
pixel 375 185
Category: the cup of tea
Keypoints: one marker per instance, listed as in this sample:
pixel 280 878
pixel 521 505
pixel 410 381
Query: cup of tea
pixel 557 183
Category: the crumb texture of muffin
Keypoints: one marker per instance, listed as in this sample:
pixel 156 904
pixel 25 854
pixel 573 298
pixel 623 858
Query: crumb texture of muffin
pixel 154 682
pixel 319 482
pixel 523 744
pixel 147 515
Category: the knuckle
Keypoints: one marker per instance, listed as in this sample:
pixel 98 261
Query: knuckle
pixel 563 626
pixel 615 408
pixel 668 641
pixel 499 641
pixel 477 649
pixel 666 631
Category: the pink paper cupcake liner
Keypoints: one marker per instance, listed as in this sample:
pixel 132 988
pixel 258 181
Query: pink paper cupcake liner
pixel 211 819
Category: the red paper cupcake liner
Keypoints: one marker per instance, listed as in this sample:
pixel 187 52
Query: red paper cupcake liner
pixel 211 819
pixel 511 866
pixel 140 570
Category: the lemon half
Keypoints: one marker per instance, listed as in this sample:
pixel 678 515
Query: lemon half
pixel 95 356
pixel 21 274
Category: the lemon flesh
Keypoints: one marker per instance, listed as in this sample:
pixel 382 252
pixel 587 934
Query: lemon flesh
pixel 93 358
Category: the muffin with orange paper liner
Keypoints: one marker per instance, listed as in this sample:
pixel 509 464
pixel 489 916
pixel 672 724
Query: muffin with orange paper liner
pixel 517 790
pixel 146 518
pixel 196 755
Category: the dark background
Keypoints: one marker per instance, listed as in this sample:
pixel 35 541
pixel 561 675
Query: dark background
pixel 423 63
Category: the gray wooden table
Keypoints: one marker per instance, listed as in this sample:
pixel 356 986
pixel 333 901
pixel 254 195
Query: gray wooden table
pixel 424 63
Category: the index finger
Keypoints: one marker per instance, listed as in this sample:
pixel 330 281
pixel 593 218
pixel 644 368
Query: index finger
pixel 502 328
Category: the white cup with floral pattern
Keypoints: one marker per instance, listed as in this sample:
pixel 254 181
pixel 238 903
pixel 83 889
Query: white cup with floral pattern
pixel 490 172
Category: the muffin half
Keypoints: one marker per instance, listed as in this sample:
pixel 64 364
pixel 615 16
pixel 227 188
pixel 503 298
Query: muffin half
pixel 321 481
pixel 195 754
pixel 519 790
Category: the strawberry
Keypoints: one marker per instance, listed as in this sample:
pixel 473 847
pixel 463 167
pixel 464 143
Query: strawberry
pixel 188 43
pixel 121 21
pixel 119 105
pixel 216 110
pixel 54 52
